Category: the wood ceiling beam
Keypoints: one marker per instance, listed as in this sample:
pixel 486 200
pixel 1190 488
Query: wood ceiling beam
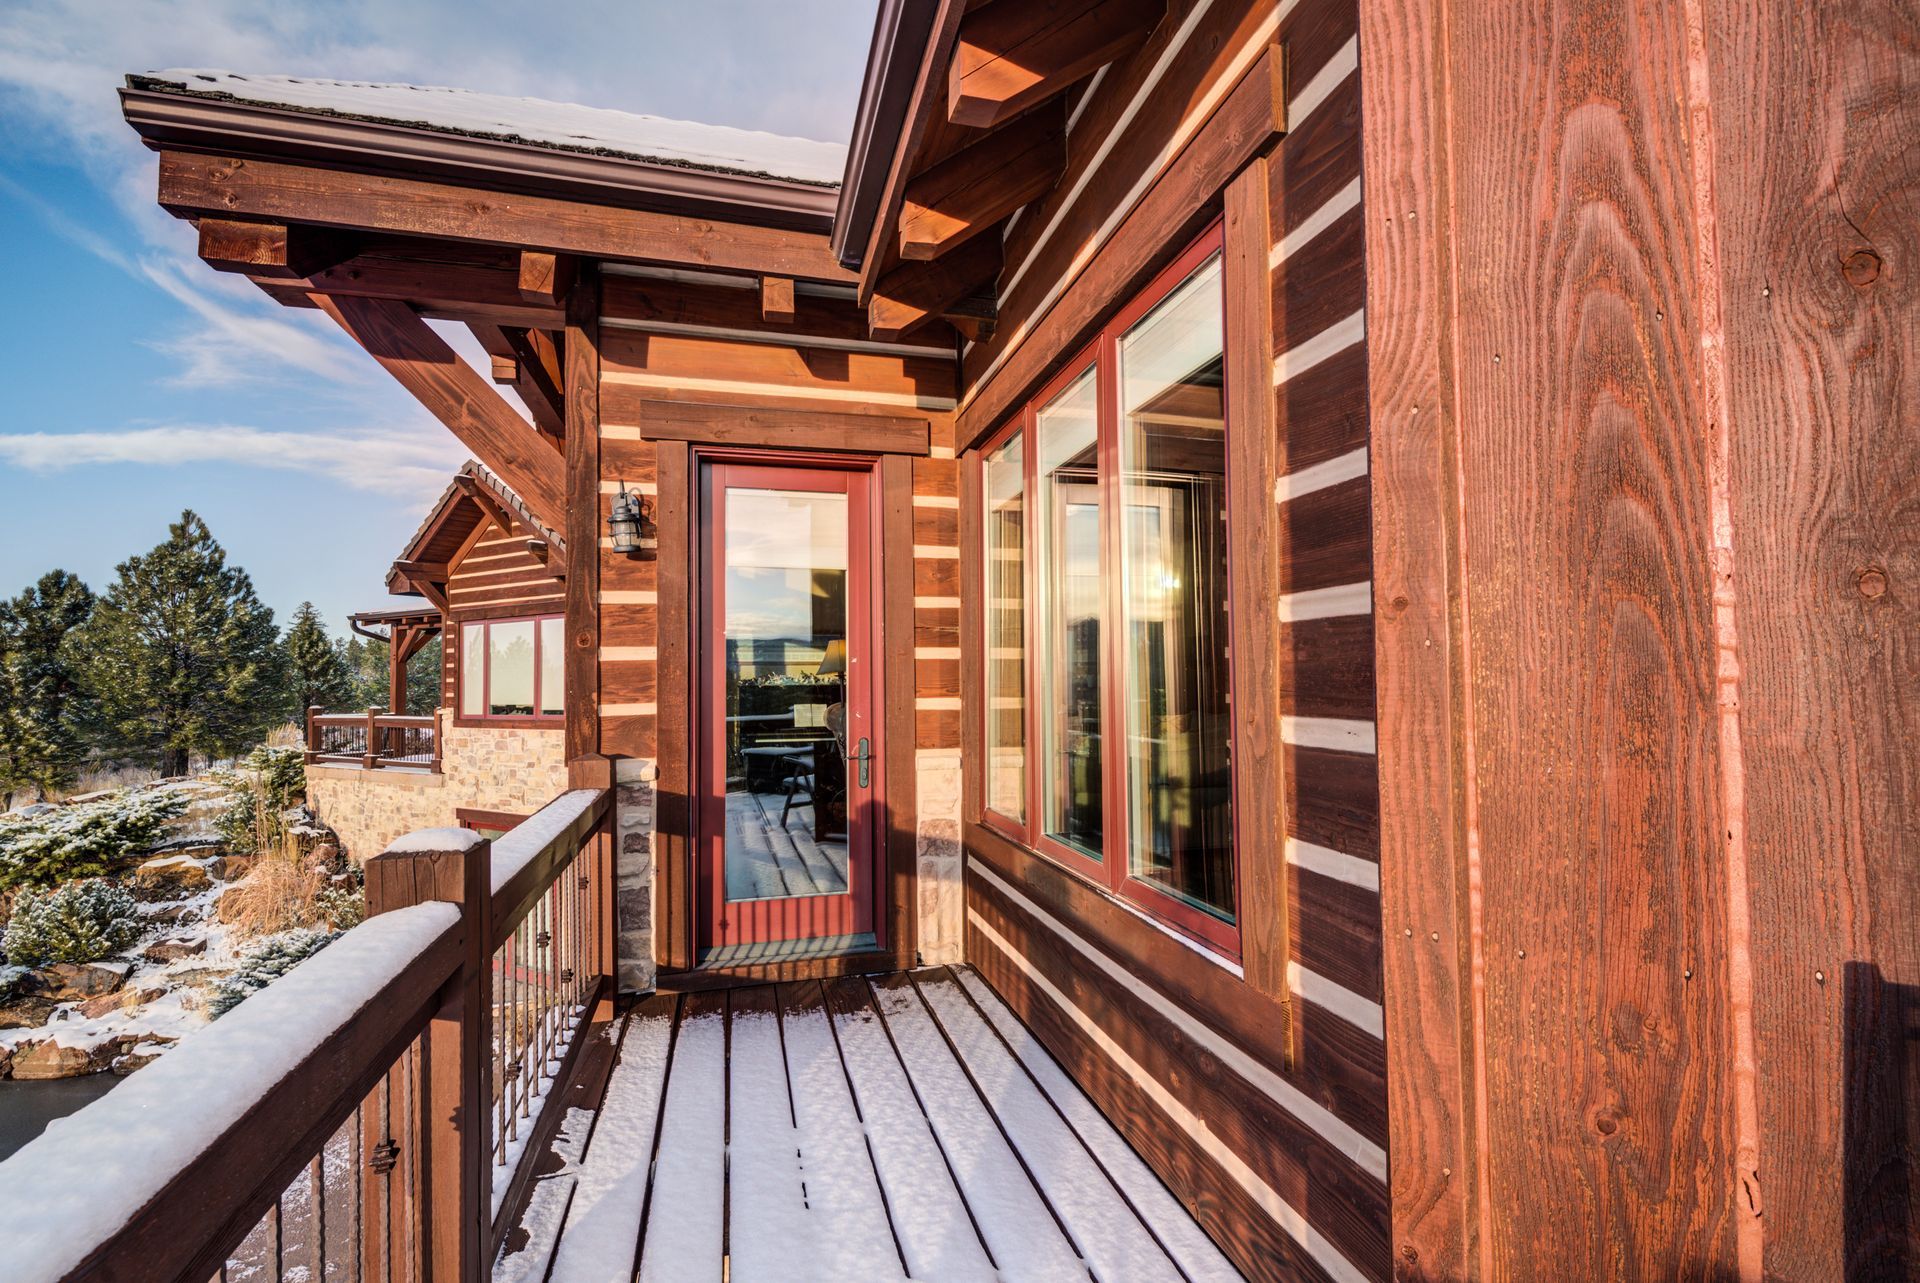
pixel 546 278
pixel 534 387
pixel 442 291
pixel 194 186
pixel 973 189
pixel 455 393
pixel 276 251
pixel 537 378
pixel 914 293
pixel 482 494
pixel 974 317
pixel 1013 53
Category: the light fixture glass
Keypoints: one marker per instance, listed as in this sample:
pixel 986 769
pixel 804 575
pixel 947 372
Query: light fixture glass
pixel 623 521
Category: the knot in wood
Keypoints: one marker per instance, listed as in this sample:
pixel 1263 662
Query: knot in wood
pixel 1861 268
pixel 1872 582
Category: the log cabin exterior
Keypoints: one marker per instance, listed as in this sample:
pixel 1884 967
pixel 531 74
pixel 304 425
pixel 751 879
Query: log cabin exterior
pixel 1385 575
pixel 490 581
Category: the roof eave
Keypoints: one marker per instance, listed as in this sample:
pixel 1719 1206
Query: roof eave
pixel 900 32
pixel 252 131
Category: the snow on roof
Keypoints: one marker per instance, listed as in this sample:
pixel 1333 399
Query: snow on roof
pixel 564 126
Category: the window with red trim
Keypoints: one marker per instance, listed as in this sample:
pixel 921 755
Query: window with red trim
pixel 1107 704
pixel 513 669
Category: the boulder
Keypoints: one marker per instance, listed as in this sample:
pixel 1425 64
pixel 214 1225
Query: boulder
pixel 26 1013
pixel 177 913
pixel 6 1062
pixel 49 1059
pixel 174 950
pixel 170 877
pixel 140 1055
pixel 72 981
pixel 324 857
pixel 94 1008
pixel 197 844
pixel 98 795
pixel 230 867
pixel 32 809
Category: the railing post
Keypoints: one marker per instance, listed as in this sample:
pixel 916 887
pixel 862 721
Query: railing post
pixel 439 736
pixel 441 1116
pixel 313 733
pixel 371 754
pixel 598 861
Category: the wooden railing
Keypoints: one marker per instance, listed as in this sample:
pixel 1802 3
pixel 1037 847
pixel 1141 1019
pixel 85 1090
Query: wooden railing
pixel 364 1117
pixel 373 739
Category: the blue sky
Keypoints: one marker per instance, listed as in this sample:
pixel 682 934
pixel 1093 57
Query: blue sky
pixel 138 382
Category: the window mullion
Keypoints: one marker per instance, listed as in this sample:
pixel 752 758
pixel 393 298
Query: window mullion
pixel 1113 649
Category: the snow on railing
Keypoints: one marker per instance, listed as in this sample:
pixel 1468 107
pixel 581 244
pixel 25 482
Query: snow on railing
pixel 165 1175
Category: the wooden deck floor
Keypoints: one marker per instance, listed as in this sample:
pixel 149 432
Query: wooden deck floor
pixel 899 1127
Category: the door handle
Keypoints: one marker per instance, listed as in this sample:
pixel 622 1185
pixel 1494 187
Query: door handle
pixel 862 757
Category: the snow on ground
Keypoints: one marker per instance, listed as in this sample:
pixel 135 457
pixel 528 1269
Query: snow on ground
pixel 1019 1229
pixel 771 1236
pixel 691 1170
pixel 612 1187
pixel 57 1206
pixel 567 126
pixel 936 1235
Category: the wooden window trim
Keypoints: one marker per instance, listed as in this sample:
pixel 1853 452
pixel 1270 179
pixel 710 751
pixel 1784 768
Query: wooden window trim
pixel 1112 873
pixel 482 721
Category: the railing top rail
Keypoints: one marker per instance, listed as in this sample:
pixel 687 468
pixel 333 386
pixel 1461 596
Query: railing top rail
pixel 200 1141
pixel 404 719
pixel 527 859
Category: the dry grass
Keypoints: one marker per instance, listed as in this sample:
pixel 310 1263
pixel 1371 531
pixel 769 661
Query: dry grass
pixel 287 735
pixel 281 892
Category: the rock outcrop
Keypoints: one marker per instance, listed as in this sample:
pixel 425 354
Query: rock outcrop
pixel 171 877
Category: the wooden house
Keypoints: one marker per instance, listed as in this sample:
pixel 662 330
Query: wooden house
pixel 1341 571
pixel 490 581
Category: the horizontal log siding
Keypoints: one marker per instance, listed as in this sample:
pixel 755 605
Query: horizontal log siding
pixel 1270 1122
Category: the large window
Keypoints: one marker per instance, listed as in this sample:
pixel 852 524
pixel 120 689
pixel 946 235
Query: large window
pixel 513 669
pixel 1106 541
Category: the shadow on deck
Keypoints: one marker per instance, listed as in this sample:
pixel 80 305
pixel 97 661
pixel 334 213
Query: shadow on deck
pixel 903 1126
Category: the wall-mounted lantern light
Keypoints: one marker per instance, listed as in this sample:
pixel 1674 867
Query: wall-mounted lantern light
pixel 623 521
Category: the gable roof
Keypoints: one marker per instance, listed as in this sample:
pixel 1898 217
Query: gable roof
pixel 454 516
pixel 535 122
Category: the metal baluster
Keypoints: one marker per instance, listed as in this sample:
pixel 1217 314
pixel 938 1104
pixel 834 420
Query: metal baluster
pixel 502 1031
pixel 279 1264
pixel 317 1179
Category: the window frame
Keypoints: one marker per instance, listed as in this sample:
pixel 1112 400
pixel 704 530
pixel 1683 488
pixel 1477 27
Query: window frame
pixel 1113 872
pixel 480 719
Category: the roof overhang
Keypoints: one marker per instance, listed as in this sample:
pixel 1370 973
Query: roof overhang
pixel 900 33
pixel 253 131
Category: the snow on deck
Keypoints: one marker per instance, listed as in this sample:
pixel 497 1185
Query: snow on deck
pixel 903 1127
pixel 566 126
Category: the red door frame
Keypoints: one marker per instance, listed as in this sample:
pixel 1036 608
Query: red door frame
pixel 721 922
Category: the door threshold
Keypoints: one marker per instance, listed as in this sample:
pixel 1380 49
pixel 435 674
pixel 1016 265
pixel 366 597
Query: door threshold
pixel 771 951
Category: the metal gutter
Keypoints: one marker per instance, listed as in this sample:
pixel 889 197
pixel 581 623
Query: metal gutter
pixel 252 131
pixel 900 33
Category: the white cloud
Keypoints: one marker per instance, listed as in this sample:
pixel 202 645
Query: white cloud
pixel 401 463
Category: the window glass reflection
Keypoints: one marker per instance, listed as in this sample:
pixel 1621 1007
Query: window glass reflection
pixel 1069 539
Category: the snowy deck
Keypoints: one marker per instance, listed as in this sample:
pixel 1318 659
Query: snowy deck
pixel 904 1126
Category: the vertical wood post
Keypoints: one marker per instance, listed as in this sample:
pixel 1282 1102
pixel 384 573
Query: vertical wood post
pixel 439 737
pixel 398 653
pixel 370 758
pixel 597 862
pixel 442 1125
pixel 584 515
pixel 313 734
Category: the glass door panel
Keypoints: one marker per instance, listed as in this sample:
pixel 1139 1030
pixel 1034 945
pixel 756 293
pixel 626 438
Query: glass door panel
pixel 789 741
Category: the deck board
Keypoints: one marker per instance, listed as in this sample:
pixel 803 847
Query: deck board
pixel 891 1128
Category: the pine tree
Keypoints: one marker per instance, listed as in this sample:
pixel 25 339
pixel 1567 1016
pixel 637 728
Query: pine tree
pixel 367 664
pixel 50 715
pixel 315 666
pixel 182 654
pixel 423 680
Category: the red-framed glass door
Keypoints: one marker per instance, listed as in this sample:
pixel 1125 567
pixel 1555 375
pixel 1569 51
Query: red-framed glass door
pixel 788 734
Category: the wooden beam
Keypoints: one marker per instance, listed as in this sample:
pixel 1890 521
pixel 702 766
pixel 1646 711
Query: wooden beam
pixel 582 524
pixel 1012 54
pixel 973 189
pixel 194 185
pixel 458 396
pixel 546 278
pixel 974 317
pixel 776 299
pixel 435 595
pixel 434 570
pixel 769 428
pixel 505 369
pixel 276 251
pixel 538 379
pixel 482 494
pixel 914 293
pixel 462 292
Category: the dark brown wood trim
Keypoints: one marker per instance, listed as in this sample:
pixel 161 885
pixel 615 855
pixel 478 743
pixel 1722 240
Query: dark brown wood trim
pixel 902 843
pixel 673 864
pixel 1259 757
pixel 973 642
pixel 473 817
pixel 583 514
pixel 1183 200
pixel 762 427
pixel 703 979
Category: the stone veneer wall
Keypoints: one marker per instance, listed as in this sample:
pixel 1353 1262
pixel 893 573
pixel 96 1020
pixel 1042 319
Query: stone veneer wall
pixel 518 769
pixel 633 784
pixel 942 938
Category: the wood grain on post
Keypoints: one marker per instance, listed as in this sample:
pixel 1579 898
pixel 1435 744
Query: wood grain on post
pixel 450 1132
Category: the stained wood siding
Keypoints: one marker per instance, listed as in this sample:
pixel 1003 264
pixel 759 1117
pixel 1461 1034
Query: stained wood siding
pixel 1264 1111
pixel 1643 401
pixel 494 576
